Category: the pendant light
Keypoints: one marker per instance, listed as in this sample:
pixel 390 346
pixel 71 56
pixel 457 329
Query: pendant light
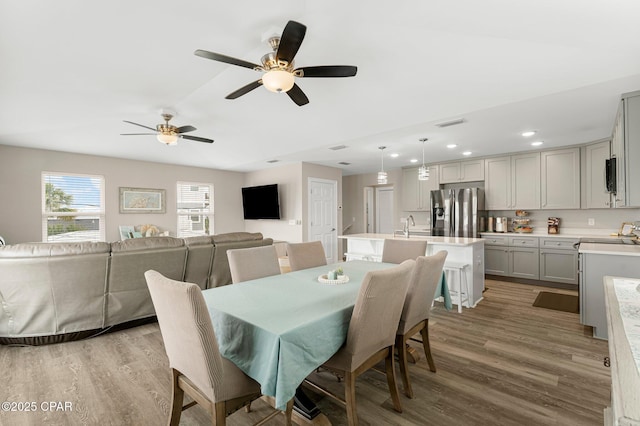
pixel 382 175
pixel 423 171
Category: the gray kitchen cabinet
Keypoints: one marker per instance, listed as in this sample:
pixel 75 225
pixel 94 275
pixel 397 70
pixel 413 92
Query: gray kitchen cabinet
pixel 597 196
pixel 593 268
pixel 524 262
pixel 462 171
pixel 416 193
pixel 560 179
pixel 496 260
pixel 497 183
pixel 625 144
pixel 559 260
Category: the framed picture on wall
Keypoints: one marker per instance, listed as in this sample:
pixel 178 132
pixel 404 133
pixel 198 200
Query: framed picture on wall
pixel 142 200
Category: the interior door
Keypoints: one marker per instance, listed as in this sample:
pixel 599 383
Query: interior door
pixel 384 210
pixel 323 215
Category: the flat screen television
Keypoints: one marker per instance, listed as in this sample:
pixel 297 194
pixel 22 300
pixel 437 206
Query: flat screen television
pixel 261 202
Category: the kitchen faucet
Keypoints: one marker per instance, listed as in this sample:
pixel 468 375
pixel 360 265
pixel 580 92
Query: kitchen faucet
pixel 405 230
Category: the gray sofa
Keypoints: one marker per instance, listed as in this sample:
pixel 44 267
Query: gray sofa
pixel 53 292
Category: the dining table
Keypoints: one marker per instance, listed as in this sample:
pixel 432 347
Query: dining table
pixel 278 329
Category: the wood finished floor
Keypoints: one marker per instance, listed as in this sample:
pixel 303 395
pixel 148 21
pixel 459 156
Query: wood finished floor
pixel 502 363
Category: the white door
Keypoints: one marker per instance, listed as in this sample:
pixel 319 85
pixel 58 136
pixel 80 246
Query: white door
pixel 368 210
pixel 384 210
pixel 323 215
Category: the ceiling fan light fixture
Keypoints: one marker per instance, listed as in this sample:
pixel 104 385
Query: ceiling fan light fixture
pixel 167 139
pixel 278 80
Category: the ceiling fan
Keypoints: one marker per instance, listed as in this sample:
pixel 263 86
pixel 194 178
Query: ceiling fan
pixel 167 133
pixel 278 66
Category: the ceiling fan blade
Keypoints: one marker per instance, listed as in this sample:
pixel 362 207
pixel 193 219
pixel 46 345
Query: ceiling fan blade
pixel 137 134
pixel 226 59
pixel 244 90
pixel 328 71
pixel 297 95
pixel 141 125
pixel 185 129
pixel 290 41
pixel 196 138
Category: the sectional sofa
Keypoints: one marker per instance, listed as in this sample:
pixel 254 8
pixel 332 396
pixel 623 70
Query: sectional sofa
pixel 55 292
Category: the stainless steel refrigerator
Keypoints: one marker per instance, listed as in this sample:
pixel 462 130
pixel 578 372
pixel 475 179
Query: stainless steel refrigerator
pixel 458 212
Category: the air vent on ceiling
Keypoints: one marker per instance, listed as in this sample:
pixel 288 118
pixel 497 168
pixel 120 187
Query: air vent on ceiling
pixel 450 122
pixel 337 147
pixel 344 163
pixel 272 161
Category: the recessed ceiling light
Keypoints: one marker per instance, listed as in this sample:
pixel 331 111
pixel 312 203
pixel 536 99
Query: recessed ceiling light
pixel 528 133
pixel 451 145
pixel 414 160
pixel 466 153
pixel 536 143
pixel 394 155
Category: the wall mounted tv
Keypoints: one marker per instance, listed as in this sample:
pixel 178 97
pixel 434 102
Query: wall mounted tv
pixel 261 202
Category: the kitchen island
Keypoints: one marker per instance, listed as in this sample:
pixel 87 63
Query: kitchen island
pixel 465 250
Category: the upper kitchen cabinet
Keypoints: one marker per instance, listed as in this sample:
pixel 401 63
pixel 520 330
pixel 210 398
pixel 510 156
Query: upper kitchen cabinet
pixel 560 179
pixel 513 182
pixel 462 171
pixel 416 193
pixel 625 148
pixel 597 196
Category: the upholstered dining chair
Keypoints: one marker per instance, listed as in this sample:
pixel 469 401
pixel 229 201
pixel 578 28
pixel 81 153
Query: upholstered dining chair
pixel 306 255
pixel 397 251
pixel 197 367
pixel 415 313
pixel 371 333
pixel 253 263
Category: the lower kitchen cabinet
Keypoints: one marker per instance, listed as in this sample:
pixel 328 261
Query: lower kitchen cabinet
pixel 496 260
pixel 524 262
pixel 559 266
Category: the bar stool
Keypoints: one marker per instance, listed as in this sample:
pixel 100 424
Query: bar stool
pixel 456 272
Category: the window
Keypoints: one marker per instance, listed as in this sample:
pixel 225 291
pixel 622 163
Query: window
pixel 195 209
pixel 72 207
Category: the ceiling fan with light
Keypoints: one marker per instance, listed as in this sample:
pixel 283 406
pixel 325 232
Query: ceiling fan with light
pixel 278 66
pixel 167 133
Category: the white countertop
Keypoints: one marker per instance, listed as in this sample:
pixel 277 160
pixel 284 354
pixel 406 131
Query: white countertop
pixel 628 294
pixel 545 235
pixel 610 249
pixel 457 241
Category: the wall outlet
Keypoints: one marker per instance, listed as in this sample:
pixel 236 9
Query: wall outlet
pixel 292 222
pixel 591 221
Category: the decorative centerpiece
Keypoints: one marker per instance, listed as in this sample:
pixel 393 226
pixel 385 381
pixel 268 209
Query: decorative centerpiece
pixel 334 277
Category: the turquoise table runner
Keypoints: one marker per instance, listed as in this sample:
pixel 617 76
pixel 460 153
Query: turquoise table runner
pixel 279 329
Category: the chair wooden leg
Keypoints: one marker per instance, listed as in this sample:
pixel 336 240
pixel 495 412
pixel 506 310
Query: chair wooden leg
pixel 177 397
pixel 350 398
pixel 427 347
pixel 219 414
pixel 391 379
pixel 404 367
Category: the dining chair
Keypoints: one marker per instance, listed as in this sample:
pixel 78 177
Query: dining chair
pixel 197 368
pixel 306 255
pixel 414 319
pixel 371 334
pixel 253 263
pixel 397 251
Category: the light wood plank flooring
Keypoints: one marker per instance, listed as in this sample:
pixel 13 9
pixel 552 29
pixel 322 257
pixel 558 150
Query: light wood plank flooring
pixel 502 363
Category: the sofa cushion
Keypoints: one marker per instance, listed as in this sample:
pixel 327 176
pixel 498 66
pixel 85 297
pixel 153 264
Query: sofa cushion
pixel 200 251
pixel 233 237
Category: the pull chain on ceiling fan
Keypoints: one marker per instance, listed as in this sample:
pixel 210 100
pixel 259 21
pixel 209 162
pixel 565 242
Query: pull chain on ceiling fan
pixel 278 66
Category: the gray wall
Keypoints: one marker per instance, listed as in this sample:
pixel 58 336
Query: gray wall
pixel 20 190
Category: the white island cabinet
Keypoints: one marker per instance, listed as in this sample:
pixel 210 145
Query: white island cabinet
pixel 466 250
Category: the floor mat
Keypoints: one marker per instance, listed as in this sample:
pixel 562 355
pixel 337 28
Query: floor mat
pixel 558 302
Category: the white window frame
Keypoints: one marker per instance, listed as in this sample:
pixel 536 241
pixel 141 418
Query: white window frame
pixel 100 213
pixel 189 212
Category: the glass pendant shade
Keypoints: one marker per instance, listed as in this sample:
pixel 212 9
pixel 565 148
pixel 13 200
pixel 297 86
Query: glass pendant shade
pixel 423 171
pixel 167 139
pixel 278 81
pixel 382 175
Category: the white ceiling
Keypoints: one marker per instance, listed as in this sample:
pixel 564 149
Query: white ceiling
pixel 72 70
